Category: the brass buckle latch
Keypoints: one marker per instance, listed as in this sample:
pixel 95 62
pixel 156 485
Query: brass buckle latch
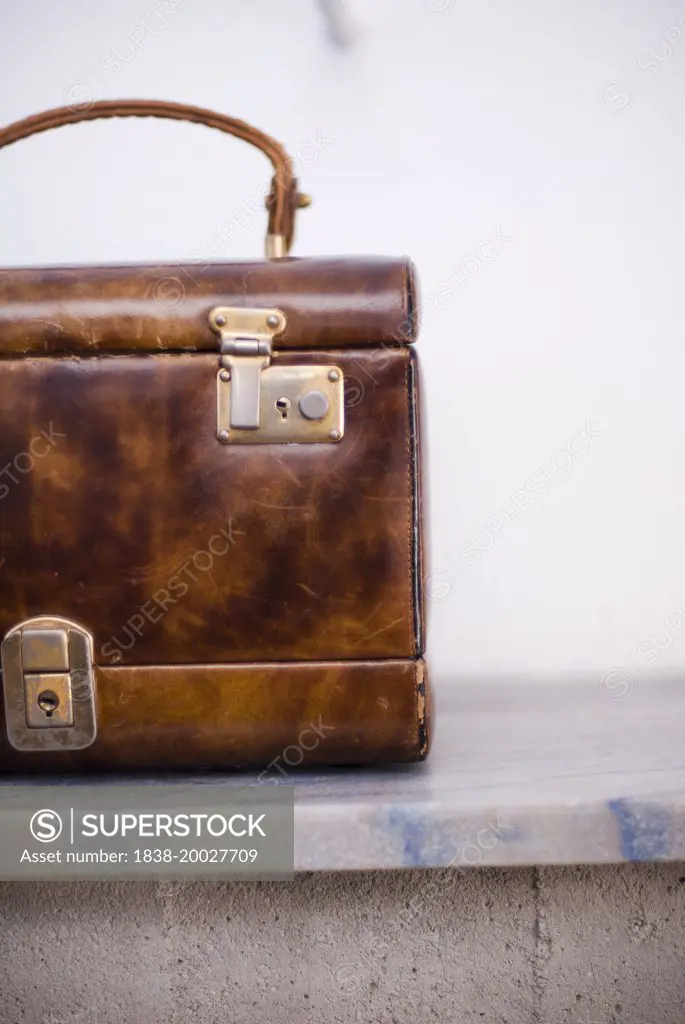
pixel 49 685
pixel 261 403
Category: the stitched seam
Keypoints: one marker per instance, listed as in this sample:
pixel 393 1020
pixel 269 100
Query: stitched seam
pixel 412 510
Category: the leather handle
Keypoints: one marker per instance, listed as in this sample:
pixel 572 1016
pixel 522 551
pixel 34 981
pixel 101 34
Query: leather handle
pixel 283 200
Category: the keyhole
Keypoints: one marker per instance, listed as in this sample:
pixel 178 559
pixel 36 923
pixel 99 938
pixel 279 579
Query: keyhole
pixel 48 701
pixel 283 405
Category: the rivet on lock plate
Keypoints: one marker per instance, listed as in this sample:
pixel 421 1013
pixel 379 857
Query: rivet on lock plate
pixel 49 685
pixel 260 403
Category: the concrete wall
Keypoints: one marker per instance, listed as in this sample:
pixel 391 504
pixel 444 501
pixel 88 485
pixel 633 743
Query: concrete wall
pixel 552 946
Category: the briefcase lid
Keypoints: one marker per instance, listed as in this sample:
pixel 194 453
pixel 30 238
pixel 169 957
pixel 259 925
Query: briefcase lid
pixel 327 303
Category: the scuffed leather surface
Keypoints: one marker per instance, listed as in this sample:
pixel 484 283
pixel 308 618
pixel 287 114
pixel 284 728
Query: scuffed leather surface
pixel 323 563
pixel 241 716
pixel 328 303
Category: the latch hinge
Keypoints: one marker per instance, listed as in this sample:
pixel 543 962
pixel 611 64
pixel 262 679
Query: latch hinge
pixel 258 403
pixel 246 336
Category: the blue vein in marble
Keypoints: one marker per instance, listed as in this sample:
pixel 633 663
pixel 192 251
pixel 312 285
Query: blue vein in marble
pixel 423 844
pixel 645 829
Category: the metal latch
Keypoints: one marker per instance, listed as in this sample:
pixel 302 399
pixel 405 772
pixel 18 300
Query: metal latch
pixel 260 403
pixel 49 685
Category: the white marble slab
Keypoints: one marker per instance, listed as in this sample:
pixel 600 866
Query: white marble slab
pixel 520 774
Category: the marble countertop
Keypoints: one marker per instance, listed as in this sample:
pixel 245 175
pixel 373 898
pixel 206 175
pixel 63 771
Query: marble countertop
pixel 521 773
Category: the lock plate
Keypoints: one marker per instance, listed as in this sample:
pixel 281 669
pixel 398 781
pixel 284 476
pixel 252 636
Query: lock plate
pixel 49 700
pixel 261 403
pixel 49 685
pixel 288 397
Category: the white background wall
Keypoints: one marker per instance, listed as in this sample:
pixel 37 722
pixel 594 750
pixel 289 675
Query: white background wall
pixel 447 122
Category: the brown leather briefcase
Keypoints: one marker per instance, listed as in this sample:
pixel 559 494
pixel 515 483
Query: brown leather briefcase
pixel 210 508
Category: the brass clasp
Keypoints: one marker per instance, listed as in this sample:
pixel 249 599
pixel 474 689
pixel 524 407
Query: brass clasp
pixel 49 685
